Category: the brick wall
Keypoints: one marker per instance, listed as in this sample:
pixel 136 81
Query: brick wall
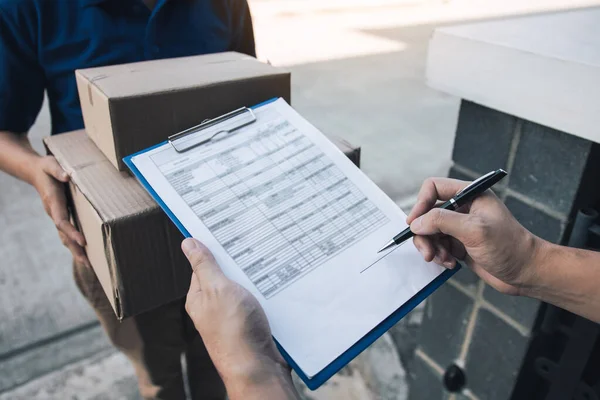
pixel 551 175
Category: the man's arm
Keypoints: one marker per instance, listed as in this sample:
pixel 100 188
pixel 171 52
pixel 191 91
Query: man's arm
pixel 19 159
pixel 235 331
pixel 502 252
pixel 568 278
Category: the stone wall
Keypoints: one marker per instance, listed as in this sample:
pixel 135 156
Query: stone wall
pixel 466 322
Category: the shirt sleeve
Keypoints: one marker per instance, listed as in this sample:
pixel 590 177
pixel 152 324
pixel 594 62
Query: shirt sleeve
pixel 21 77
pixel 243 31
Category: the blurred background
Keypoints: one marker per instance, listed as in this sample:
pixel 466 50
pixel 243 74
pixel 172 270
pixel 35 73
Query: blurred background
pixel 358 72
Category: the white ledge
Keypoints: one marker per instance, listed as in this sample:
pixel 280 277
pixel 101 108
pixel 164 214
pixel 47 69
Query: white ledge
pixel 543 68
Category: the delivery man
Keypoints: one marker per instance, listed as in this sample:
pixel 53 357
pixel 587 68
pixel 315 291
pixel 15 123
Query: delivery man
pixel 487 237
pixel 41 44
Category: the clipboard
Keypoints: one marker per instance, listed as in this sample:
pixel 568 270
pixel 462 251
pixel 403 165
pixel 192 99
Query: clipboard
pixel 196 136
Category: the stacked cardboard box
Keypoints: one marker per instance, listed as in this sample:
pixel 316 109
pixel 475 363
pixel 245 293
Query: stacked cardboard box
pixel 132 245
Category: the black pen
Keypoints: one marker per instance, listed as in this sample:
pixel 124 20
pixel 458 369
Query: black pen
pixel 466 195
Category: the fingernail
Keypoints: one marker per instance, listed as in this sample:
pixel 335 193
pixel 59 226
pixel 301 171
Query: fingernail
pixel 448 264
pixel 416 225
pixel 64 175
pixel 188 245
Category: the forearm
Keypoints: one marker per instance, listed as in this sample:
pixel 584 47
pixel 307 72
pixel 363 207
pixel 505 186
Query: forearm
pixel 17 157
pixel 568 278
pixel 267 381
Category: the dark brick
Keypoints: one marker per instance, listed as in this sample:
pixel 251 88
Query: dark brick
pixel 549 166
pixel 404 335
pixel 536 221
pixel 483 138
pixel 494 357
pixel 522 309
pixel 467 278
pixel 424 382
pixel 446 316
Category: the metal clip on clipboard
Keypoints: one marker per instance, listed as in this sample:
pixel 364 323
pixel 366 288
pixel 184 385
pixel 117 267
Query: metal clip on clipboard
pixel 197 135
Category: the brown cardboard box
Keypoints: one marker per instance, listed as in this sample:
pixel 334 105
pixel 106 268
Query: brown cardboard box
pixel 132 245
pixel 129 107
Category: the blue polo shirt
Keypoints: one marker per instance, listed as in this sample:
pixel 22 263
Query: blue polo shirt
pixel 42 43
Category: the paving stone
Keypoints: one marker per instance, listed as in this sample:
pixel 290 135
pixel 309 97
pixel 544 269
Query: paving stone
pixel 524 310
pixel 382 370
pixel 467 278
pixel 404 335
pixel 483 138
pixel 424 382
pixel 447 313
pixel 108 375
pixel 494 357
pixel 536 221
pixel 549 166
pixel 38 297
pixel 35 361
pixel 346 385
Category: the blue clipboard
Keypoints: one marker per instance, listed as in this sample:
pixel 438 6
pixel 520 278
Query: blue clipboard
pixel 344 359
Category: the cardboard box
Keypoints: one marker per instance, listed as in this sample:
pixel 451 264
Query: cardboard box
pixel 132 245
pixel 129 107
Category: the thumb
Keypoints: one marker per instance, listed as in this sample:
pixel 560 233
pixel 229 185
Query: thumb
pixel 205 268
pixel 53 168
pixel 442 221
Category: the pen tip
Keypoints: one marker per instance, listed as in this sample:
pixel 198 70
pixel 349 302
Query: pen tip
pixel 387 246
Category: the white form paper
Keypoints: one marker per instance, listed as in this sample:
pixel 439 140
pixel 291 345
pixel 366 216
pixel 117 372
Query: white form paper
pixel 290 218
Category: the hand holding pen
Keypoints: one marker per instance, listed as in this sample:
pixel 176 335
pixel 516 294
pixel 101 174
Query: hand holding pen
pixel 464 196
pixel 482 233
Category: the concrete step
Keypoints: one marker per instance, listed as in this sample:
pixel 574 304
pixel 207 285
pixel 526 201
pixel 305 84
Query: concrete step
pixel 107 375
pixel 375 374
pixel 41 357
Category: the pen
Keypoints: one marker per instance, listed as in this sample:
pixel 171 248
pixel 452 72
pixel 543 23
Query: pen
pixel 466 195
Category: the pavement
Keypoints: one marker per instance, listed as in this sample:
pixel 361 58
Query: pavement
pixel 358 72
